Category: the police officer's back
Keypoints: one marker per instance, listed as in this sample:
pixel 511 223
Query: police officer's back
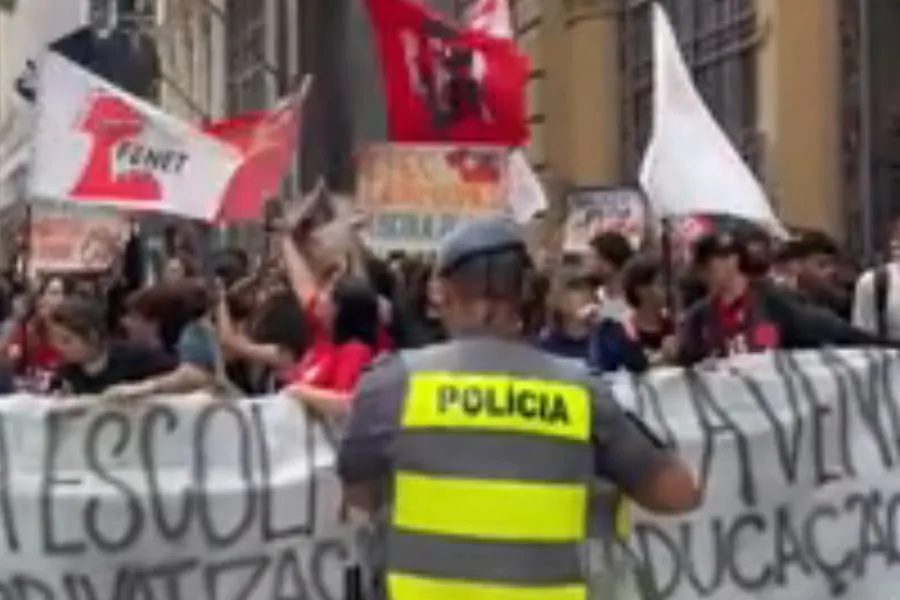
pixel 488 446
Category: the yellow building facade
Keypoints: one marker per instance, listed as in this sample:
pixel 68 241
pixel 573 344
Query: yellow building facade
pixel 772 68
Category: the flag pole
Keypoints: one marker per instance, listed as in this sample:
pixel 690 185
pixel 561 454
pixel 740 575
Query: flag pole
pixel 668 266
pixel 25 263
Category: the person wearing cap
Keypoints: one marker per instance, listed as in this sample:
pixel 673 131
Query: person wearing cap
pixel 482 450
pixel 742 314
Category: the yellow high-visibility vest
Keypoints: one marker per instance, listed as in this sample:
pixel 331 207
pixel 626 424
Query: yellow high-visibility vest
pixel 491 489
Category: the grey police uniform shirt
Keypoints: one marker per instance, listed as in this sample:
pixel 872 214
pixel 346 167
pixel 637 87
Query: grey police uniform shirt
pixel 622 453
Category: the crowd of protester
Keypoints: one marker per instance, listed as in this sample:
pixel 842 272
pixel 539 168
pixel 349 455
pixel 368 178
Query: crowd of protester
pixel 307 322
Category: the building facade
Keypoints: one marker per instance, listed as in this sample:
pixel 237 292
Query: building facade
pixel 803 88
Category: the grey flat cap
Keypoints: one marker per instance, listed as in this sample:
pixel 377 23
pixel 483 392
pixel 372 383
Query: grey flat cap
pixel 477 237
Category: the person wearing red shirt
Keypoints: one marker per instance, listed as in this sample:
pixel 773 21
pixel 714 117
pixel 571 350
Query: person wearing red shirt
pixel 344 318
pixel 28 345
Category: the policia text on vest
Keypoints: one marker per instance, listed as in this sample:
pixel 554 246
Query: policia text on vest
pixel 522 400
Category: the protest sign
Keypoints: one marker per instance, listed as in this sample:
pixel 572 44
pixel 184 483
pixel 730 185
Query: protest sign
pixel 798 453
pixel 186 499
pixel 416 194
pixel 591 211
pixel 67 239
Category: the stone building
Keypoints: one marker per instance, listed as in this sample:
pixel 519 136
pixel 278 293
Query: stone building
pixel 806 89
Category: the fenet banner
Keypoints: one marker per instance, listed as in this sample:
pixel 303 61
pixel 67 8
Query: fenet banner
pixel 416 194
pixel 96 144
pixel 799 452
pixel 184 500
pixel 591 211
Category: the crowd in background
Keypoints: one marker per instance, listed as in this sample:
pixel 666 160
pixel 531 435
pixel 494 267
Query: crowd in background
pixel 308 321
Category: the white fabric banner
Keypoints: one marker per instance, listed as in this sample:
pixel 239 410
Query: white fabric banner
pixel 690 166
pixel 799 453
pixel 219 500
pixel 187 500
pixel 97 144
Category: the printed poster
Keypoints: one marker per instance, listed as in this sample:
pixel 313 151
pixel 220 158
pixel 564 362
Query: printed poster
pixel 416 194
pixel 66 238
pixel 592 211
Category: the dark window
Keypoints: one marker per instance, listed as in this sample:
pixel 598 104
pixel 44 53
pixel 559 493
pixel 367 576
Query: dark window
pixel 246 63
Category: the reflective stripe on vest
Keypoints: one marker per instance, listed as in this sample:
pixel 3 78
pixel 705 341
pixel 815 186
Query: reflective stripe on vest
pixel 491 489
pixel 622 519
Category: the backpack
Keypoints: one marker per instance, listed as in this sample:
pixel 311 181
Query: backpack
pixel 880 284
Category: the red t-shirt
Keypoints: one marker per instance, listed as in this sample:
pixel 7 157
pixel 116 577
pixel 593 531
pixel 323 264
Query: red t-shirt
pixel 331 366
pixel 739 336
pixel 41 355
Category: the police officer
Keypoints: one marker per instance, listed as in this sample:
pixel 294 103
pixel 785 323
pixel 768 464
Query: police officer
pixel 483 449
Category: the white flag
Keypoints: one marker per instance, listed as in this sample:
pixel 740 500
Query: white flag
pixel 491 17
pixel 97 144
pixel 690 167
pixel 525 193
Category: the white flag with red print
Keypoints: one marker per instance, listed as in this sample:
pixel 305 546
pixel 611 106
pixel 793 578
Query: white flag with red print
pixel 96 144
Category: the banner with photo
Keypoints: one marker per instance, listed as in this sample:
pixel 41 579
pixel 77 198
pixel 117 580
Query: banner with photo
pixel 591 211
pixel 67 239
pixel 416 194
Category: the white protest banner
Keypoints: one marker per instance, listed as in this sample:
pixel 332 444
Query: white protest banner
pixel 690 166
pixel 799 452
pixel 186 499
pixel 66 238
pixel 592 211
pixel 97 144
pixel 416 194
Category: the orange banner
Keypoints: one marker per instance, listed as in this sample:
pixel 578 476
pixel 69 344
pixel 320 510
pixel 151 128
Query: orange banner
pixel 68 240
pixel 415 194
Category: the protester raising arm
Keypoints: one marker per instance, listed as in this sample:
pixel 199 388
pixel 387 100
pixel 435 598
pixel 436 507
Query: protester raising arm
pixel 175 318
pixel 238 345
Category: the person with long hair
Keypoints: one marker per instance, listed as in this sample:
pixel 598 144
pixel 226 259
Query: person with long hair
pixel 343 317
pixel 567 333
pixel 28 346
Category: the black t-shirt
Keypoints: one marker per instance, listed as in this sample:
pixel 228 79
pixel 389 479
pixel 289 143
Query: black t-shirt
pixel 125 363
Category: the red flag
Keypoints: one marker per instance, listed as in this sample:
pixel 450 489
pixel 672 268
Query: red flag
pixel 267 141
pixel 447 85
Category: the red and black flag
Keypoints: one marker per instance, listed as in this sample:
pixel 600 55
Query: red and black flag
pixel 446 84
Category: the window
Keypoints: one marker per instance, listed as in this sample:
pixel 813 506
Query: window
pixel 717 39
pixel 247 71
